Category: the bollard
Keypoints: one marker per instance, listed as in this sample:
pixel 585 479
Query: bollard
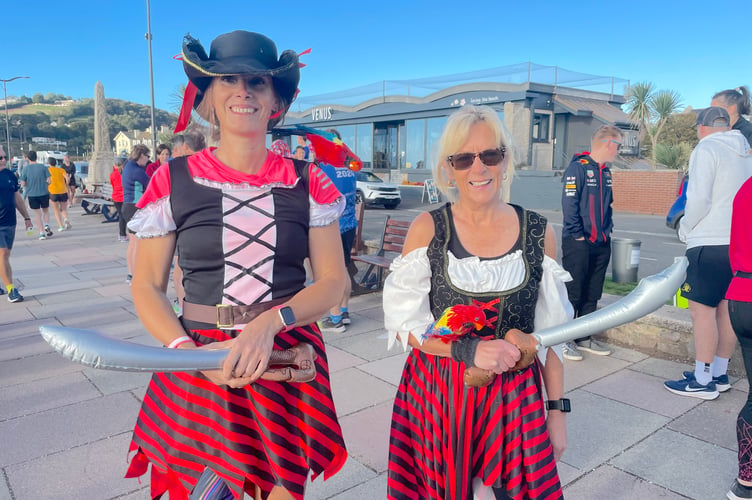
pixel 625 259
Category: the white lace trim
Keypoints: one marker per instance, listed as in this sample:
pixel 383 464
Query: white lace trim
pixel 154 220
pixel 242 186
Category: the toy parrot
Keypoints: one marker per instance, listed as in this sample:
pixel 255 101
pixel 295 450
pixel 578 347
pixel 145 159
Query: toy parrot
pixel 455 322
pixel 330 149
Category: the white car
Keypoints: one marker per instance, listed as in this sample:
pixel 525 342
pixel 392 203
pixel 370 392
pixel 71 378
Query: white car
pixel 373 191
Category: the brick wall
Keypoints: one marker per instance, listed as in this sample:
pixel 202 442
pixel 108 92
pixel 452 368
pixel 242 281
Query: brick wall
pixel 650 192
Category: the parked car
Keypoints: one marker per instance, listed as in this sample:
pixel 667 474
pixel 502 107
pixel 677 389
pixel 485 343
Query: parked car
pixel 82 173
pixel 676 212
pixel 371 190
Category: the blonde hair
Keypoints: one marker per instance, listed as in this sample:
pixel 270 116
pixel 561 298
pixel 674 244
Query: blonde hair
pixel 606 132
pixel 457 132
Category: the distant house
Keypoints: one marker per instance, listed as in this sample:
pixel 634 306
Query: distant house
pixel 124 141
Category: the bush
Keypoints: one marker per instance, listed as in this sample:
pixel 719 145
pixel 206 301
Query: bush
pixel 673 155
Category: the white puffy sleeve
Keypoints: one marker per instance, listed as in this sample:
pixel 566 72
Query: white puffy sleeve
pixel 406 306
pixel 154 220
pixel 553 307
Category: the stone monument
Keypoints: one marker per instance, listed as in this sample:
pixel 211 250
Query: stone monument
pixel 103 158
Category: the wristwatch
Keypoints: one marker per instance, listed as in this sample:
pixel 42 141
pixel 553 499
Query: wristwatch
pixel 287 317
pixel 559 404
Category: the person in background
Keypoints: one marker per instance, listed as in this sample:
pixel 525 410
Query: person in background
pixel 302 143
pixel 345 181
pixel 448 440
pixel 739 296
pixel 10 201
pixel 718 166
pixel 58 189
pixel 116 181
pixel 135 181
pixel 187 143
pixel 243 219
pixel 70 169
pixel 736 102
pixel 300 153
pixel 586 233
pixel 35 178
pixel 163 154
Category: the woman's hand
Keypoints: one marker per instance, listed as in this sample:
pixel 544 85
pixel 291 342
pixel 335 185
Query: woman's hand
pixel 557 432
pixel 250 350
pixel 496 355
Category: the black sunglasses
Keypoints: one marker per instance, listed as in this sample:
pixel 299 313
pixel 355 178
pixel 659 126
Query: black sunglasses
pixel 3 157
pixel 489 157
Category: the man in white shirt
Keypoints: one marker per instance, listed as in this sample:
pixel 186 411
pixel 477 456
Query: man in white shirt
pixel 719 165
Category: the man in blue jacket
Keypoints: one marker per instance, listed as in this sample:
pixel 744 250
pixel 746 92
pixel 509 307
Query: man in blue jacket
pixel 586 236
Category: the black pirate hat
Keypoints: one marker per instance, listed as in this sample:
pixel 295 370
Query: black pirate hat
pixel 237 53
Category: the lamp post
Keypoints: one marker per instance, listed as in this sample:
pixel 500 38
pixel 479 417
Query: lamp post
pixel 151 81
pixel 7 121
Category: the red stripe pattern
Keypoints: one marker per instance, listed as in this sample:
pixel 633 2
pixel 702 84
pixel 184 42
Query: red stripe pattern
pixel 445 434
pixel 265 434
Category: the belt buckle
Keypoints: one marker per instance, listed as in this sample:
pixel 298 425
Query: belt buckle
pixel 220 325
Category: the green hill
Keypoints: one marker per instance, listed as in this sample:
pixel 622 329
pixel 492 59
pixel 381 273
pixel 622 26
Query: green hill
pixel 63 119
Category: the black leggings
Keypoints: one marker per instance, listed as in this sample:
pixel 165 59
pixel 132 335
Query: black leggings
pixel 741 320
pixel 121 219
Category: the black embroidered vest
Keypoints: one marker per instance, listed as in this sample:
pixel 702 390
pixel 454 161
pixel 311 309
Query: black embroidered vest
pixel 517 305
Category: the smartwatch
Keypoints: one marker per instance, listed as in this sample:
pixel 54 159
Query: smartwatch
pixel 559 404
pixel 287 317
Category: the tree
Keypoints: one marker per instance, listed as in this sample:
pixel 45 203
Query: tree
pixel 650 110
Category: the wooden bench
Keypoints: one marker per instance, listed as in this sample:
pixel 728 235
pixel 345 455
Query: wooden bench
pixel 392 240
pixel 100 201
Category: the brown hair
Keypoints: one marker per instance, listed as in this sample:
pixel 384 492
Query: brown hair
pixel 738 97
pixel 138 150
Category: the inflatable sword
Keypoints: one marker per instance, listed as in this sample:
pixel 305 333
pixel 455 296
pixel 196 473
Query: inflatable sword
pixel 95 350
pixel 650 294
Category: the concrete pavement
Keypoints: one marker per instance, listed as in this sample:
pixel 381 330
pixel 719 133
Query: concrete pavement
pixel 64 428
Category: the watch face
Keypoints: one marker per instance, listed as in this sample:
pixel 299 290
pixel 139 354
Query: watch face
pixel 288 317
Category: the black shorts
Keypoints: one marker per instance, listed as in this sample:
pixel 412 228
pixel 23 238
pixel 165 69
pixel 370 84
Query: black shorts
pixel 348 238
pixel 60 198
pixel 37 202
pixel 7 237
pixel 708 274
pixel 128 211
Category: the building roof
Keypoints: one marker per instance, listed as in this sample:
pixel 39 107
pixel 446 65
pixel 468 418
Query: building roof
pixel 523 73
pixel 602 110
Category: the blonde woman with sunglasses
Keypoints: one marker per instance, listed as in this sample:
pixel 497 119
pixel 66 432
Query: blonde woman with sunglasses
pixel 448 440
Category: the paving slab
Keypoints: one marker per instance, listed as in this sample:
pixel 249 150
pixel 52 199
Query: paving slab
pixel 92 472
pixel 614 484
pixel 46 394
pixel 591 436
pixel 702 420
pixel 369 448
pixel 34 436
pixel 354 390
pixel 664 459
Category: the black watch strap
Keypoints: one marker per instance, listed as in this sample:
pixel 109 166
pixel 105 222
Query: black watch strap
pixel 559 404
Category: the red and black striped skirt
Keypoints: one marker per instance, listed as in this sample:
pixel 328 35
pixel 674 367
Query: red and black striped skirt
pixel 267 434
pixel 445 434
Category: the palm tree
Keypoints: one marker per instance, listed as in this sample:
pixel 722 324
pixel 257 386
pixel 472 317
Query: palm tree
pixel 649 110
pixel 639 106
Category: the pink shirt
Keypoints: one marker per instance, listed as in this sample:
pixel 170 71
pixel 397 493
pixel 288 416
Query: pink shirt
pixel 740 248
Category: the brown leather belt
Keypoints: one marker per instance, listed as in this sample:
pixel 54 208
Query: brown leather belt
pixel 226 316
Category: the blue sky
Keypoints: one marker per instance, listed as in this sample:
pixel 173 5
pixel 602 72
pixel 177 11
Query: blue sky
pixel 65 47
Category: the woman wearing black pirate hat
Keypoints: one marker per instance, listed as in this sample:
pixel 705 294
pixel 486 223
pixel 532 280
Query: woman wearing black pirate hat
pixel 237 215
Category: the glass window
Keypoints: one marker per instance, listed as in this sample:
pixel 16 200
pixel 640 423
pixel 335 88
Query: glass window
pixel 415 147
pixel 347 133
pixel 434 128
pixel 364 143
pixel 540 127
